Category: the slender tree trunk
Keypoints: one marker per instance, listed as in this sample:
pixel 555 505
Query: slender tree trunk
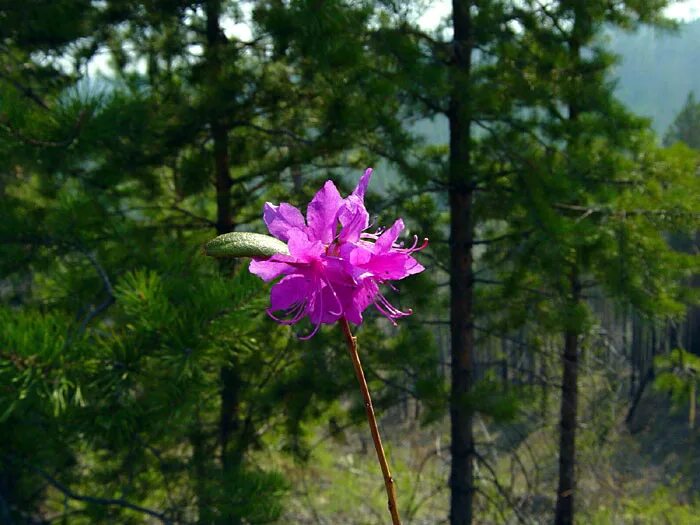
pixel 564 510
pixel 636 355
pixel 200 459
pixel 224 213
pixel 229 377
pixel 564 514
pixel 219 131
pixel 228 418
pixel 693 396
pixel 693 315
pixel 461 276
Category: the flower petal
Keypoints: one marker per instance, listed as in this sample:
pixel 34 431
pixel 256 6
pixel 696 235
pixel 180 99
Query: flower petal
pixel 322 213
pixel 290 291
pixel 325 308
pixel 362 297
pixel 272 267
pixel 353 218
pixel 413 267
pixel 362 184
pixel 302 248
pixel 389 266
pixel 387 239
pixel 281 219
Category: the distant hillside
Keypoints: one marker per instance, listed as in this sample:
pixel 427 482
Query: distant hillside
pixel 657 70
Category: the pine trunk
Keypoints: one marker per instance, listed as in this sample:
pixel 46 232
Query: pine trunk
pixel 219 132
pixel 693 397
pixel 461 278
pixel 564 513
pixel 228 418
pixel 564 510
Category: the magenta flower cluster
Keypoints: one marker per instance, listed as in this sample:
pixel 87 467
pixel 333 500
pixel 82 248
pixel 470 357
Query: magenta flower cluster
pixel 334 267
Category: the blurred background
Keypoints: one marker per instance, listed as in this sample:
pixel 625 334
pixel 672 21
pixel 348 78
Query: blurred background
pixel 550 150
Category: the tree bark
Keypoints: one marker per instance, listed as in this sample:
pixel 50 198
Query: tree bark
pixel 229 377
pixel 200 460
pixel 564 513
pixel 693 396
pixel 693 315
pixel 461 272
pixel 224 212
pixel 564 510
pixel 219 131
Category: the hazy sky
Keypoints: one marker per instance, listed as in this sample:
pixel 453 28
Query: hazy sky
pixel 689 10
pixel 684 10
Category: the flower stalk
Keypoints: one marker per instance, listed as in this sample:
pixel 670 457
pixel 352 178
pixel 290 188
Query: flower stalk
pixel 369 409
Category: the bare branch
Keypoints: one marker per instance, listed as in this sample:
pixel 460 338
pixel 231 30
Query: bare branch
pixel 500 487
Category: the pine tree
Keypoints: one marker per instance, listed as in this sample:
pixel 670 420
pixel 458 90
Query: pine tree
pixel 464 79
pixel 583 187
pixel 150 367
pixel 686 129
pixel 686 126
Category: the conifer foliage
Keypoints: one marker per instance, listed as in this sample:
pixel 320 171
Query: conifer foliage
pixel 141 382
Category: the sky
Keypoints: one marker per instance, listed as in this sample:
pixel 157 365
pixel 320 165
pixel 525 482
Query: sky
pixel 684 10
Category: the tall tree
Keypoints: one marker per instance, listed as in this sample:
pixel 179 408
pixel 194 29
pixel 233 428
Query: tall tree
pixel 686 129
pixel 459 76
pixel 577 178
pixel 461 186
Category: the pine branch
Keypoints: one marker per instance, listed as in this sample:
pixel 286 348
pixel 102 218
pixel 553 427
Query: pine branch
pixel 503 237
pixel 25 90
pixel 46 143
pixel 273 132
pixel 69 493
pixel 610 211
pixel 107 287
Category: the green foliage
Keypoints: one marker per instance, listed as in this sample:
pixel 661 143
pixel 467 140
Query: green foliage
pixel 153 368
pixel 138 375
pixel 38 365
pixel 678 373
pixel 254 494
pixel 660 506
pixel 491 398
pixel 154 365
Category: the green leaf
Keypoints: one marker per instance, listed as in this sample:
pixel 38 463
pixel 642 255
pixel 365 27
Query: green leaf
pixel 244 244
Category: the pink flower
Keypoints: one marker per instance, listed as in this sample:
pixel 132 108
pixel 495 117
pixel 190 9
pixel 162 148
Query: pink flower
pixel 334 267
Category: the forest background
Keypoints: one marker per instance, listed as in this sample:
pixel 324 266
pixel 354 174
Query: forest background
pixel 550 370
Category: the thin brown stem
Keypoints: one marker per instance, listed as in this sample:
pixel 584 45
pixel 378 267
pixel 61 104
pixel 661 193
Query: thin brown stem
pixel 388 480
